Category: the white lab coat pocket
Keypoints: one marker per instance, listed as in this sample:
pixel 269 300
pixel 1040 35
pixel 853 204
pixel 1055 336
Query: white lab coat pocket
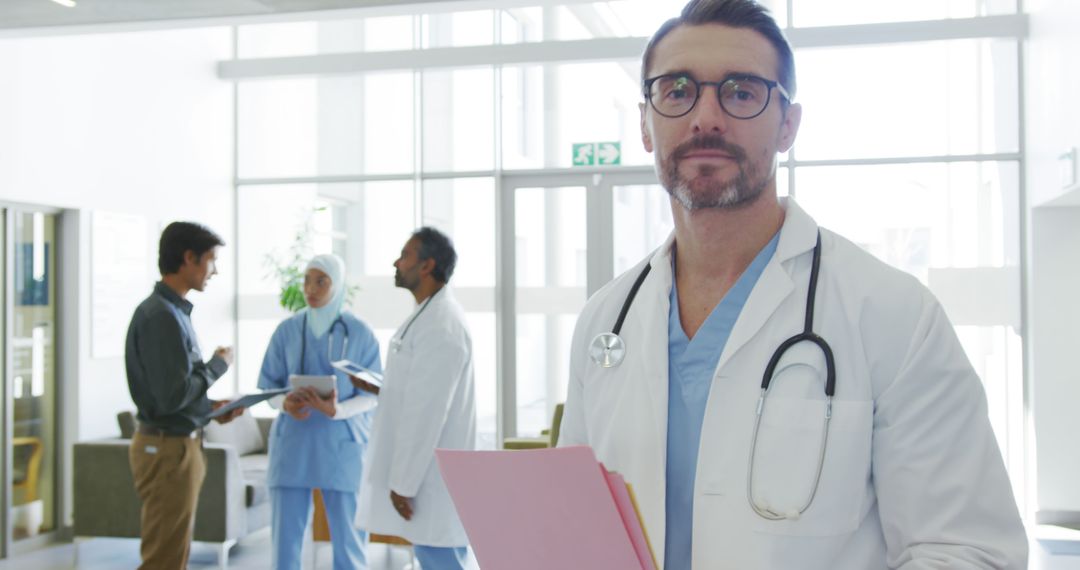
pixel 788 456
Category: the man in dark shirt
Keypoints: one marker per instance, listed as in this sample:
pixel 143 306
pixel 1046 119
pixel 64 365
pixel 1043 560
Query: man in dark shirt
pixel 168 380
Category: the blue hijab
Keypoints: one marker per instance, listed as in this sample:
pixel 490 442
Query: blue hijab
pixel 321 319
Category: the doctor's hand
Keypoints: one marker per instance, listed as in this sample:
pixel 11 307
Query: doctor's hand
pixel 403 505
pixel 294 406
pixel 364 385
pixel 312 399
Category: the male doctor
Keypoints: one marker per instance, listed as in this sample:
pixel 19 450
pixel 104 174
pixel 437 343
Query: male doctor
pixel 909 476
pixel 427 401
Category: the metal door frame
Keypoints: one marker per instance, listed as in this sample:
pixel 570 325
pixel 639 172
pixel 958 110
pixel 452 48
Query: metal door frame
pixel 599 210
pixel 8 546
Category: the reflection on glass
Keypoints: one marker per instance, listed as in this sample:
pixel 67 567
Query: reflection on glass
pixel 550 269
pixel 33 381
pixel 926 99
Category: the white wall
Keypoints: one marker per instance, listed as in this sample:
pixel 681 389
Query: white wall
pixel 135 123
pixel 1053 126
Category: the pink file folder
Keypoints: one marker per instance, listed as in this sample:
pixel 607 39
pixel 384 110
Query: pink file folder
pixel 544 508
pixel 635 527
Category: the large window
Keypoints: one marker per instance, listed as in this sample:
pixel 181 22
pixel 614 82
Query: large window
pixel 909 148
pixel 907 100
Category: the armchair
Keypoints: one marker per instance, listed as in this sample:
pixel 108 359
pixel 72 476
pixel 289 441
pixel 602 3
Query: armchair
pixel 548 438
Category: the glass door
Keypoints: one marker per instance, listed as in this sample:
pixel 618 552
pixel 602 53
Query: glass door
pixel 31 377
pixel 559 239
pixel 641 221
pixel 550 278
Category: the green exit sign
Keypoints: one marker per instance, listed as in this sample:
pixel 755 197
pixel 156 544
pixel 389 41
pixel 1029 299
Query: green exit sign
pixel 596 153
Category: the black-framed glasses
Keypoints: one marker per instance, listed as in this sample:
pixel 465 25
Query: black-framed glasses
pixel 742 96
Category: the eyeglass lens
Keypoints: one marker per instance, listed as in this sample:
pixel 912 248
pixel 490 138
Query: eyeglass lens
pixel 740 97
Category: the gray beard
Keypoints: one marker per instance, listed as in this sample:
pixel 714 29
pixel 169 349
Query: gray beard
pixel 702 192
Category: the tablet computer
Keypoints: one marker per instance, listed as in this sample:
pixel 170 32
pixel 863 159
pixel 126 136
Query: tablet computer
pixel 246 402
pixel 353 369
pixel 324 385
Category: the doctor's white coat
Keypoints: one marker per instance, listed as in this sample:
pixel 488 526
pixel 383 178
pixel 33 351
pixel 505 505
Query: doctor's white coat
pixel 912 476
pixel 427 402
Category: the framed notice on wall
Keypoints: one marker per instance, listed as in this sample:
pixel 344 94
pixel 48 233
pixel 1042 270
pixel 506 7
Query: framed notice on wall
pixel 120 278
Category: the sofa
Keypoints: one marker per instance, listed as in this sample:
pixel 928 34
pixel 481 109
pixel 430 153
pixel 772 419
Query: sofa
pixel 233 503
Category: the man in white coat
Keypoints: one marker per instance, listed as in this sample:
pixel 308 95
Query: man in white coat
pixel 730 461
pixel 427 401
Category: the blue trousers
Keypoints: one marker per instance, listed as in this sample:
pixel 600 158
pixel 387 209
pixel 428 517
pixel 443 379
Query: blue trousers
pixel 441 557
pixel 292 509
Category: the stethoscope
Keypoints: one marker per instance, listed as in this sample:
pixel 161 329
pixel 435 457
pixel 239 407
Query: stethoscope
pixel 608 349
pixel 397 342
pixel 329 340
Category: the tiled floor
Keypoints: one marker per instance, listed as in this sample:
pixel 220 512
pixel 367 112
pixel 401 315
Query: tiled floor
pixel 249 554
pixel 1057 551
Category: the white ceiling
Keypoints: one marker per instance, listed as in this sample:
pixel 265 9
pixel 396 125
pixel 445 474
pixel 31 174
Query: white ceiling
pixel 22 14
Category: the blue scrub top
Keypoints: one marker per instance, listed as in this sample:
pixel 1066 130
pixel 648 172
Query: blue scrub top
pixel 319 452
pixel 691 365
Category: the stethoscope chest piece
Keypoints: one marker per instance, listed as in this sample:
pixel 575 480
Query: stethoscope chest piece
pixel 607 350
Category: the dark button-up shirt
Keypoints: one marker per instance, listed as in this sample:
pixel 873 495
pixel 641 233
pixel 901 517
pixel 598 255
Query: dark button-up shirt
pixel 165 370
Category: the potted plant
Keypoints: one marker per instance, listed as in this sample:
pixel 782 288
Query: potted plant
pixel 287 268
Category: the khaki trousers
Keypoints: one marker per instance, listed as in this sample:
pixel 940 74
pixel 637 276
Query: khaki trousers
pixel 168 472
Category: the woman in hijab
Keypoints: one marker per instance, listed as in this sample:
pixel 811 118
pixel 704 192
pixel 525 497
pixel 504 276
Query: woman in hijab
pixel 318 442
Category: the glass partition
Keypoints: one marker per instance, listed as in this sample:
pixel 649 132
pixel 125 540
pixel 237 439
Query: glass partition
pixel 550 251
pixel 33 382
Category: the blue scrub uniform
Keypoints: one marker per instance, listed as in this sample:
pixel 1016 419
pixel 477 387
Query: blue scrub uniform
pixel 691 366
pixel 319 452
